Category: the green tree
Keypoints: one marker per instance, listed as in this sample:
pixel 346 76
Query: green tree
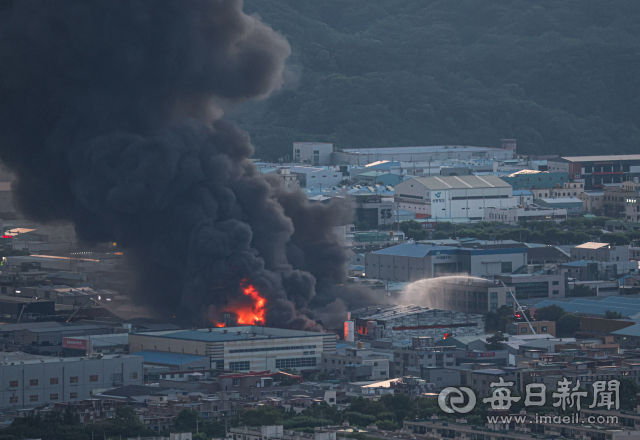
pixel 263 415
pixel 495 341
pixel 187 421
pixel 387 425
pixel 608 314
pixel 580 290
pixel 126 415
pixel 549 313
pixel 568 324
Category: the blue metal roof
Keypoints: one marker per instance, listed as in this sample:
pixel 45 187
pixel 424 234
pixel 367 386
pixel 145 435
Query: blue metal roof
pixel 415 250
pixel 593 307
pixel 158 357
pixel 522 192
pixel 422 250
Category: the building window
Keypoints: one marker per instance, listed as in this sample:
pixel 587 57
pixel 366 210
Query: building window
pixel 33 398
pixel 53 397
pixel 134 375
pixel 555 283
pixel 523 330
pixel 33 382
pixel 296 362
pixel 506 267
pixel 73 395
pixel 13 384
pixel 73 379
pixel 238 366
pixel 13 399
pixel 93 378
pixel 53 381
pixel 555 292
pixel 494 295
pixel 544 329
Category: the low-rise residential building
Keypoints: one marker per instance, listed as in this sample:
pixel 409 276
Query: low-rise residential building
pixel 539 327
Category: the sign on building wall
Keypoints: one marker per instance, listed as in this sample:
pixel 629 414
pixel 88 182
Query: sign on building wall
pixel 80 344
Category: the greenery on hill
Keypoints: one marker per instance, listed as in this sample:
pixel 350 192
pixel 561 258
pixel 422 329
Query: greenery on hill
pixel 560 76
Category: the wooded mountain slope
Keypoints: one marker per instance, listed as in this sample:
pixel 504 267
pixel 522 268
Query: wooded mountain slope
pixel 561 76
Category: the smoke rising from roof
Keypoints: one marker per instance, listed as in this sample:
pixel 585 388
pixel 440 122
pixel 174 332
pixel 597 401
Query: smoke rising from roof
pixel 108 117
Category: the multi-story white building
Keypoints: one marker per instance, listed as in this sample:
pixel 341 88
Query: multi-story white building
pixel 454 198
pixel 312 153
pixel 241 348
pixel 41 380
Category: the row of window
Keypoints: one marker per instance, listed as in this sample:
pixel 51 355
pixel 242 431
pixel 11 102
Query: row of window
pixel 296 362
pixel 239 366
pixel 52 381
pixel 35 397
pixel 251 350
pixel 55 380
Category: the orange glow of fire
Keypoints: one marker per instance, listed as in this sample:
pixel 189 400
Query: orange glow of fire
pixel 251 314
pixel 247 310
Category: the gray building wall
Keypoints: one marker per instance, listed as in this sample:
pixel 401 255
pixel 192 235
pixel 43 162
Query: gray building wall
pixel 441 377
pixel 36 383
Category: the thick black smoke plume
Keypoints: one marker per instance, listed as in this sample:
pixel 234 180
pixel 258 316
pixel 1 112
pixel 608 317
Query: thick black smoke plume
pixel 108 117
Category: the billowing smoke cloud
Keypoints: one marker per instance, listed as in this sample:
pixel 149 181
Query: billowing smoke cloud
pixel 108 117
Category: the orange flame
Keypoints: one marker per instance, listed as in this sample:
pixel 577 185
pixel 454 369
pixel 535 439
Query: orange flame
pixel 248 310
pixel 251 314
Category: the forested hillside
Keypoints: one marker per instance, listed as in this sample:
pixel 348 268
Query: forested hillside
pixel 561 76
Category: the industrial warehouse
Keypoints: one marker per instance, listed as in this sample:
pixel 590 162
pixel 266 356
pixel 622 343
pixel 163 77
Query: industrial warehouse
pixel 240 348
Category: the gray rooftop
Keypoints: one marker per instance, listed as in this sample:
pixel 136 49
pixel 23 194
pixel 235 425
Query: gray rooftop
pixel 231 334
pixel 602 158
pixel 462 182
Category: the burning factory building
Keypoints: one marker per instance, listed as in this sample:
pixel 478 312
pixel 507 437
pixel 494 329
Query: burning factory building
pixel 397 323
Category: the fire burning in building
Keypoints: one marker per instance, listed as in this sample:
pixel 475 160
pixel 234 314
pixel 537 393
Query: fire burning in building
pixel 248 308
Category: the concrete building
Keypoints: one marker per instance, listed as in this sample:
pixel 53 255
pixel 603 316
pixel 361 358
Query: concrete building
pixel 536 285
pixel 598 171
pixel 317 177
pixel 48 340
pixel 276 432
pixel 395 323
pixel 571 205
pixel 454 198
pixel 104 344
pixel 411 262
pixel 524 197
pixel 312 153
pixel 513 215
pixel 364 156
pixel 530 179
pixel 441 377
pixel 540 327
pixel 592 201
pixel 373 212
pixel 470 295
pixel 39 380
pixel 600 252
pixel 241 348
pixel 569 189
pixel 356 364
pixel 616 200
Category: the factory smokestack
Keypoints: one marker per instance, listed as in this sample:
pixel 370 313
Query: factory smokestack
pixel 109 117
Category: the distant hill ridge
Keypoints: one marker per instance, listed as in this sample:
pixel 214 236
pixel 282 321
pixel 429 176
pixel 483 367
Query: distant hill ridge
pixel 560 76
